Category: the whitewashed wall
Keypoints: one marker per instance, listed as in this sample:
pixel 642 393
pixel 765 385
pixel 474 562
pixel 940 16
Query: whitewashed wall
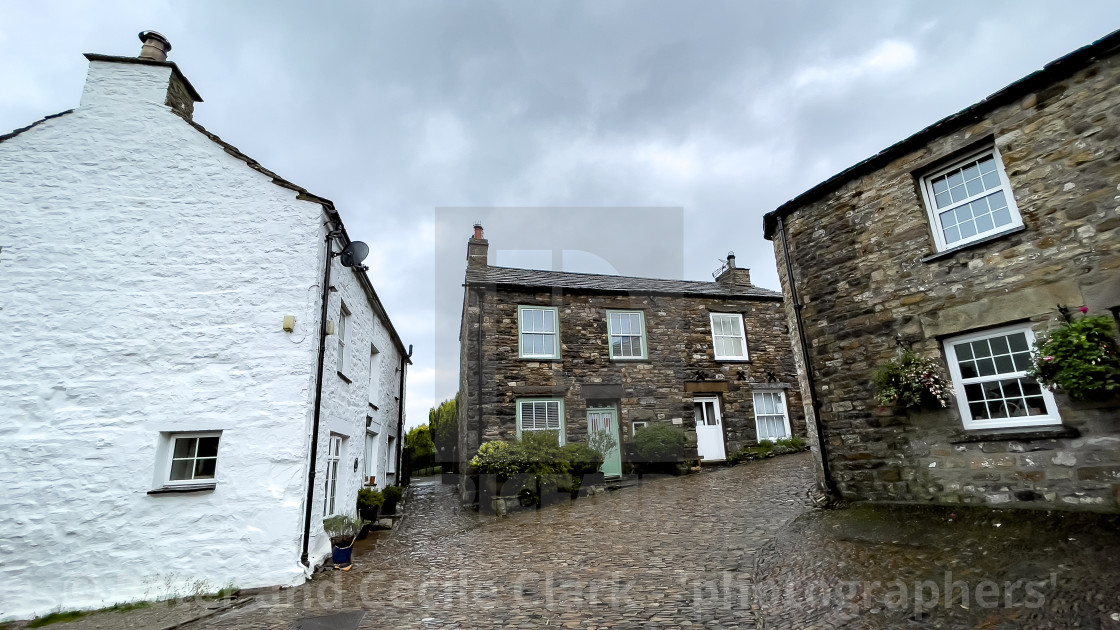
pixel 144 280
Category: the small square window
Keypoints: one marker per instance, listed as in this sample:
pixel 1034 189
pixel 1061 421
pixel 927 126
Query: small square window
pixel 627 333
pixel 989 372
pixel 192 458
pixel 729 339
pixel 970 200
pixel 538 332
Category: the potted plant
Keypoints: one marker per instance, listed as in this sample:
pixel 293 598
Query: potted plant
pixel 392 496
pixel 343 530
pixel 1081 358
pixel 660 448
pixel 369 502
pixel 912 382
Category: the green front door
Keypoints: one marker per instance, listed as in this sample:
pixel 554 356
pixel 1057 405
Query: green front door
pixel 607 420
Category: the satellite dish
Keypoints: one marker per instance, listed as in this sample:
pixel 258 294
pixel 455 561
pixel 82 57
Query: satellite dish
pixel 353 254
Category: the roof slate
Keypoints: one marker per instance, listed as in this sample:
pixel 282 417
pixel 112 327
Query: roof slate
pixel 532 278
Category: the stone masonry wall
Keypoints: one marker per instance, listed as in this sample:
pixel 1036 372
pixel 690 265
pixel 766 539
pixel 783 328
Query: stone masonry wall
pixel 678 332
pixel 859 258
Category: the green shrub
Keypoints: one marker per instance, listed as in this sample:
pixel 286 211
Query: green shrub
pixel 765 449
pixel 581 459
pixel 343 529
pixel 541 454
pixel 660 442
pixel 498 458
pixel 1081 358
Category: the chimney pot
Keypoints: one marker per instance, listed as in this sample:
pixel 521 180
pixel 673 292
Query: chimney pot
pixel 155 46
pixel 478 230
pixel 730 260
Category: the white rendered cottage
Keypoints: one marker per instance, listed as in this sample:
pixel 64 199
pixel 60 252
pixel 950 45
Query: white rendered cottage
pixel 160 300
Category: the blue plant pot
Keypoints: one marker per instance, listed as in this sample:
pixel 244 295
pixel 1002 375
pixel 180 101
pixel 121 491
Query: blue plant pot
pixel 342 555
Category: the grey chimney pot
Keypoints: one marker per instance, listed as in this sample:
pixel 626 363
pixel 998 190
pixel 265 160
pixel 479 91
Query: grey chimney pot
pixel 155 46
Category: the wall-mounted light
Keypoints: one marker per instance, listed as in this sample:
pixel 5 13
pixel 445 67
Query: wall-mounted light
pixel 289 323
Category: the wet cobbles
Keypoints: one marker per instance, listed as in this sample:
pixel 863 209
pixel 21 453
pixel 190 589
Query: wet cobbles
pixel 881 567
pixel 675 552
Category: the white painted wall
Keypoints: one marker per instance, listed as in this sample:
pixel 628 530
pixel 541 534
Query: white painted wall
pixel 144 279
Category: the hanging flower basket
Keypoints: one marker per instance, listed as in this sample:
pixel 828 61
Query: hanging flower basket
pixel 912 382
pixel 1081 359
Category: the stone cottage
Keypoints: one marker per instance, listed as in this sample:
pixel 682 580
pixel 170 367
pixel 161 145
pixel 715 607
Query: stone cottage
pixel 161 301
pixel 960 242
pixel 549 350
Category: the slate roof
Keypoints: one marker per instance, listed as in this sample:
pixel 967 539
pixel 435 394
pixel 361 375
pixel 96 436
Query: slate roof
pixel 1052 72
pixel 532 278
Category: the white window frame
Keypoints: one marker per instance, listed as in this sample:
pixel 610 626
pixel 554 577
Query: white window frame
pixel 1052 416
pixel 637 425
pixel 391 455
pixel 934 213
pixel 370 456
pixel 783 407
pixel 170 460
pixel 374 376
pixel 560 411
pixel 611 334
pixel 742 337
pixel 343 334
pixel 330 479
pixel 521 332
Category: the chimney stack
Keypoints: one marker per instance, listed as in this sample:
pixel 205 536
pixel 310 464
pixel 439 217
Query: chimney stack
pixel 477 249
pixel 732 275
pixel 155 46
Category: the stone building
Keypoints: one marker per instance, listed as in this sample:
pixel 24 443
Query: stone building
pixel 160 317
pixel 959 243
pixel 562 351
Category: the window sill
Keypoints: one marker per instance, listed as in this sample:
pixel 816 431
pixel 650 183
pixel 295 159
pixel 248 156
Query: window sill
pixel 1024 434
pixel 541 359
pixel 732 360
pixel 629 359
pixel 987 239
pixel 344 377
pixel 375 407
pixel 194 487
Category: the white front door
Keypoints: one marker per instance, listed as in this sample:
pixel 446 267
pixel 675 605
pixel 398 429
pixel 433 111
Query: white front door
pixel 709 429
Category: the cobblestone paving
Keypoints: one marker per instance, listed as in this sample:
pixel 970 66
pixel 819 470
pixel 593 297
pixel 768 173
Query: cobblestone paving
pixel 1001 568
pixel 669 553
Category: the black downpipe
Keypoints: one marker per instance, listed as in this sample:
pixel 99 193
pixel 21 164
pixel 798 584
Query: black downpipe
pixel 318 398
pixel 830 486
pixel 400 419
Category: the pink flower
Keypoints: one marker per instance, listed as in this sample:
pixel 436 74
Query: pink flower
pixel 1047 358
pixel 1084 309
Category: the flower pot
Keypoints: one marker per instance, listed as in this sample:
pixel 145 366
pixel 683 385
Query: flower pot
pixel 342 555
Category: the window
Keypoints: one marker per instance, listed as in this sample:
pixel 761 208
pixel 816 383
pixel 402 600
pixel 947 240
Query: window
pixel 391 456
pixel 627 332
pixel 638 425
pixel 541 415
pixel 706 411
pixel 343 338
pixel 194 458
pixel 330 488
pixel 374 374
pixel 989 372
pixel 728 337
pixel 538 336
pixel 371 456
pixel 770 417
pixel 969 200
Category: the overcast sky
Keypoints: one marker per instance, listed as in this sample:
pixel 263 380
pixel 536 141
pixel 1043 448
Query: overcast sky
pixel 393 109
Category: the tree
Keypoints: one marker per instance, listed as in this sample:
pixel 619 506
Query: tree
pixel 419 439
pixel 444 423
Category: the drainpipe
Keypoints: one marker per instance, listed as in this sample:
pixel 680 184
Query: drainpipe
pixel 830 486
pixel 400 417
pixel 308 502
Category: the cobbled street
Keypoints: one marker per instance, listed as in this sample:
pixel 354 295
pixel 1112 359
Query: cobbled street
pixel 670 552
